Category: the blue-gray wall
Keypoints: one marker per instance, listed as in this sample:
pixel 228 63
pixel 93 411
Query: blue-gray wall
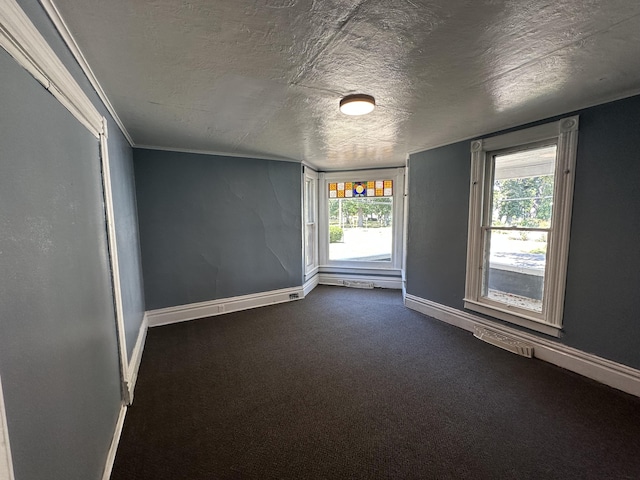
pixel 58 346
pixel 123 186
pixel 59 358
pixel 214 227
pixel 602 304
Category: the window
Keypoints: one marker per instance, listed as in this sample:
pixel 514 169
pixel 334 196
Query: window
pixel 362 219
pixel 519 221
pixel 310 215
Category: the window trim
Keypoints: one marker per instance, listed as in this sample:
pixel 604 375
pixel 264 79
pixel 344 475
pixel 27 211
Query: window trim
pixel 310 203
pixel 395 174
pixel 564 133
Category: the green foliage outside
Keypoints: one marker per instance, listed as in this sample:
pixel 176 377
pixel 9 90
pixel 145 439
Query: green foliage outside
pixel 357 212
pixel 525 202
pixel 335 234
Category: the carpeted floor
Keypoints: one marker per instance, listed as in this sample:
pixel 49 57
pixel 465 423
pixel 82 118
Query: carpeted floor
pixel 349 384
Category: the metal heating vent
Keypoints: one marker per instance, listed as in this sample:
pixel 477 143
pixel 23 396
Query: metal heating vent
pixel 293 296
pixel 357 284
pixel 503 341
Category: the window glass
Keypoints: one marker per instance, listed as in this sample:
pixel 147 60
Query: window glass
pixel 310 201
pixel 515 239
pixel 522 190
pixel 360 229
pixel 514 267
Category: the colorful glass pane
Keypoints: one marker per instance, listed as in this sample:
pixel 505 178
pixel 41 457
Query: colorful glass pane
pixel 348 189
pixel 359 189
pixel 370 188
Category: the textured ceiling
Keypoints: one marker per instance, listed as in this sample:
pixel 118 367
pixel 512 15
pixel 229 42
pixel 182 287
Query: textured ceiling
pixel 264 77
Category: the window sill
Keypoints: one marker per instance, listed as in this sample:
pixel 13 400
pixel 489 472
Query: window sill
pixel 511 317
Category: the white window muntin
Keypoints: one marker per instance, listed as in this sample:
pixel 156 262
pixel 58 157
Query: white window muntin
pixel 564 133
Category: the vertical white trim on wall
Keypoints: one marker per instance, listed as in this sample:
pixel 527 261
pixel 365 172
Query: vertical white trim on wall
pixel 6 463
pixel 113 256
pixel 405 227
pixel 323 220
pixel 398 214
pixel 474 260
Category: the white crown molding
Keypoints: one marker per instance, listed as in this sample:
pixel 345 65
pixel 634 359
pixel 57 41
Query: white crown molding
pixel 217 153
pixel 22 40
pixel 111 455
pixel 6 464
pixel 131 374
pixel 65 33
pixel 193 311
pixel 592 366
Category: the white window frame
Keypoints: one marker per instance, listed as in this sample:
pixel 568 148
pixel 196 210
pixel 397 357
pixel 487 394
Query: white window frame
pixel 310 221
pixel 564 133
pixel 395 174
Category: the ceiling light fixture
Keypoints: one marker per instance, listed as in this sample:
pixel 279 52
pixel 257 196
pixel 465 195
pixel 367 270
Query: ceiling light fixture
pixel 358 104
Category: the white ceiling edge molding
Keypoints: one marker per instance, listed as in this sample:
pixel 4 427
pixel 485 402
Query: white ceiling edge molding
pixel 361 169
pixel 22 40
pixel 603 101
pixel 6 465
pixel 220 154
pixel 65 33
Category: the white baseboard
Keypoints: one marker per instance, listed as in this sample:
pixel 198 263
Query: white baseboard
pixel 136 358
pixel 182 313
pixel 310 284
pixel 111 455
pixel 597 368
pixel 379 282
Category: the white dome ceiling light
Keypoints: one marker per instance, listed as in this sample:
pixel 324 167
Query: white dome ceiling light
pixel 358 104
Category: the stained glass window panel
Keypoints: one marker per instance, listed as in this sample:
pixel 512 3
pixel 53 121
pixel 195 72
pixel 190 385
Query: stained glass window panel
pixel 370 188
pixel 360 189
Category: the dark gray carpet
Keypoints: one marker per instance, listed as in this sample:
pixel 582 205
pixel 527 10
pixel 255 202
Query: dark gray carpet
pixel 349 383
